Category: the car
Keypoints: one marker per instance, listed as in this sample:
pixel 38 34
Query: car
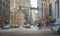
pixel 27 26
pixel 16 26
pixel 6 26
pixel 32 26
pixel 55 27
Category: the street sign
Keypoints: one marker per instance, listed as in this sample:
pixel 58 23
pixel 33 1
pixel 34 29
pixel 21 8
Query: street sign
pixel 7 13
pixel 33 8
pixel 24 8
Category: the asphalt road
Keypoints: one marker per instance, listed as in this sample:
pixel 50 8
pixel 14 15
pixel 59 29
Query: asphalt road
pixel 28 32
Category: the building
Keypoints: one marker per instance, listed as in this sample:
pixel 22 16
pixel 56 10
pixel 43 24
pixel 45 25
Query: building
pixel 43 11
pixel 5 11
pixel 21 14
pixel 57 11
pixel 53 8
pixel 17 18
pixel 39 6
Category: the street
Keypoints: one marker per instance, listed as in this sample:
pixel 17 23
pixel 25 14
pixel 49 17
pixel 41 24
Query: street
pixel 28 32
pixel 29 17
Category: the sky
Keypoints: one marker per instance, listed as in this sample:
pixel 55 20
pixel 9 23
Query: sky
pixel 34 3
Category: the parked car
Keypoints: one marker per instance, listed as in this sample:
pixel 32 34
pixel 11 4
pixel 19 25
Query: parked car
pixel 55 27
pixel 6 26
pixel 27 26
pixel 16 26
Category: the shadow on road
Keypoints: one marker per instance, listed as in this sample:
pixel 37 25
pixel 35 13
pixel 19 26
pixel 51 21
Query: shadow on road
pixel 56 33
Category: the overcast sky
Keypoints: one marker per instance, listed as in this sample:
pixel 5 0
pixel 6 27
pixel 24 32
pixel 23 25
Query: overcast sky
pixel 34 3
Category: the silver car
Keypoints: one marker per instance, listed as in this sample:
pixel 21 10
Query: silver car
pixel 27 26
pixel 6 26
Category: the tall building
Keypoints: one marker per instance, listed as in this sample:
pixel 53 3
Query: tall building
pixel 57 11
pixel 43 11
pixel 5 11
pixel 53 8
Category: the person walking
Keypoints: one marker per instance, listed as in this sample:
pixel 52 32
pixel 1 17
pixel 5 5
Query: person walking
pixel 39 26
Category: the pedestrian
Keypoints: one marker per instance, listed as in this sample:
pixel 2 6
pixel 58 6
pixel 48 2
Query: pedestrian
pixel 39 26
